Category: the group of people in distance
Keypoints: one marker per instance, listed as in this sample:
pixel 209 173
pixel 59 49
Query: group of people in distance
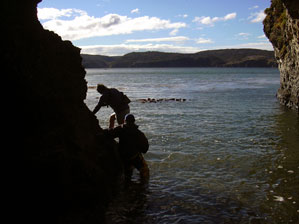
pixel 132 142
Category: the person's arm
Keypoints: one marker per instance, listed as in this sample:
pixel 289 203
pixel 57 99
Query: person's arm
pixel 115 132
pixel 102 102
pixel 97 108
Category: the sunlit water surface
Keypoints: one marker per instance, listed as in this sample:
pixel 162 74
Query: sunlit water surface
pixel 228 154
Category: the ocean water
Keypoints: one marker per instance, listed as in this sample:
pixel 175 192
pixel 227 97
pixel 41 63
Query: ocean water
pixel 229 153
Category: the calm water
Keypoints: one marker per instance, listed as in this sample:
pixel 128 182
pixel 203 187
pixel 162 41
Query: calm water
pixel 228 154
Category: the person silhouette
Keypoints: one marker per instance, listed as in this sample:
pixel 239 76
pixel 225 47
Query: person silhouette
pixel 132 144
pixel 117 100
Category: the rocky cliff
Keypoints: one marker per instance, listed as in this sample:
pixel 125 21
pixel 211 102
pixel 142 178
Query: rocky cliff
pixel 281 26
pixel 61 168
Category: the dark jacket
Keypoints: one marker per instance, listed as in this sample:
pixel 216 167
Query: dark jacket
pixel 113 98
pixel 132 141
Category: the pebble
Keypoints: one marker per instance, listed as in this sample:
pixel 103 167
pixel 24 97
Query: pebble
pixel 278 198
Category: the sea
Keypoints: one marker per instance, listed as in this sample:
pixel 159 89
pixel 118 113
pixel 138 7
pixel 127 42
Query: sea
pixel 222 148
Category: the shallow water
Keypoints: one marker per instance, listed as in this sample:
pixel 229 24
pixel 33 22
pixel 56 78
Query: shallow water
pixel 228 154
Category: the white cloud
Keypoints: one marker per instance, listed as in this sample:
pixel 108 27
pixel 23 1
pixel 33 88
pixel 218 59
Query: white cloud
pixel 174 32
pixel 229 16
pixel 254 7
pixel 207 20
pixel 243 36
pixel 257 45
pixel 84 26
pixel 262 37
pixel 52 13
pixel 183 16
pixel 121 49
pixel 257 17
pixel 162 39
pixel 204 41
pixel 135 11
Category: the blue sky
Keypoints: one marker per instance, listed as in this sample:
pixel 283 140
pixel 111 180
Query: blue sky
pixel 117 27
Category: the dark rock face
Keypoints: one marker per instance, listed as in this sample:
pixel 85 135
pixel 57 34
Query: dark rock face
pixel 282 28
pixel 62 168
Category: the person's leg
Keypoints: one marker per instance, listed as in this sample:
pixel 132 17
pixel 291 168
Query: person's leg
pixel 112 121
pixel 121 116
pixel 144 170
pixel 128 170
pixel 141 165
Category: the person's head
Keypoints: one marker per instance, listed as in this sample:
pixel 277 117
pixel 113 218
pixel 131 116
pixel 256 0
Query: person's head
pixel 129 119
pixel 101 88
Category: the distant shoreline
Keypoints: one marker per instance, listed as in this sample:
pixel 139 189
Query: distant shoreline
pixel 183 68
pixel 211 58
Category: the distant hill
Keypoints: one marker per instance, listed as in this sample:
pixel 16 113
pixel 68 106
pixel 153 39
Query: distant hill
pixel 211 58
pixel 97 61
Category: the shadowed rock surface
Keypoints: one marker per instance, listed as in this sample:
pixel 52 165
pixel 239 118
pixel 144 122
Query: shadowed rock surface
pixel 61 168
pixel 282 28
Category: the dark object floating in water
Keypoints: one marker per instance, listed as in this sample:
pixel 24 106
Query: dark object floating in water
pixel 152 100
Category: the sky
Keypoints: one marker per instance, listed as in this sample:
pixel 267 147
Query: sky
pixel 118 27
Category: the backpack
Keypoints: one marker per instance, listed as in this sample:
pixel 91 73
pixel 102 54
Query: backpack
pixel 125 98
pixel 142 142
pixel 118 97
pixel 117 100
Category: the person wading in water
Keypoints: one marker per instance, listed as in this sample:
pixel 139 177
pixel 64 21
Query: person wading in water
pixel 132 144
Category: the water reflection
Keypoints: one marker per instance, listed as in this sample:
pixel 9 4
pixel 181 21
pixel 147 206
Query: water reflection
pixel 129 205
pixel 268 194
pixel 229 154
pixel 282 202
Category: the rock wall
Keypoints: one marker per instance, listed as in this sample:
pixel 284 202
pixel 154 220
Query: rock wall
pixel 281 26
pixel 61 167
